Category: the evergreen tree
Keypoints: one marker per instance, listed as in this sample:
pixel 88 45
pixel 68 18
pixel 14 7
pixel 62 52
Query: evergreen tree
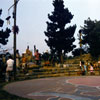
pixel 76 52
pixel 60 38
pixel 91 36
pixel 3 34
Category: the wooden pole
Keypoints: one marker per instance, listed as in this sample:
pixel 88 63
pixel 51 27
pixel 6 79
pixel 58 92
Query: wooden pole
pixel 80 34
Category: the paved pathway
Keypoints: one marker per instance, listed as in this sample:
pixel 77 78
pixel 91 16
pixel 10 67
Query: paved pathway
pixel 60 88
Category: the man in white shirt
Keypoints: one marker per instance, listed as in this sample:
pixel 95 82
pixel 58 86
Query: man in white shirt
pixel 9 69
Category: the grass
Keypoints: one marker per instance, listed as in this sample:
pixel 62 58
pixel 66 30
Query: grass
pixel 6 96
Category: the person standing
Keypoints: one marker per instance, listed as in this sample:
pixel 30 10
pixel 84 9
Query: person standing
pixel 17 59
pixel 28 55
pixel 37 57
pixel 84 67
pixel 99 66
pixel 9 69
pixel 24 62
pixel 91 69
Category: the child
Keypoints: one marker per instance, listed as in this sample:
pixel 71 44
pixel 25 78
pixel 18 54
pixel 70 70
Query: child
pixel 91 69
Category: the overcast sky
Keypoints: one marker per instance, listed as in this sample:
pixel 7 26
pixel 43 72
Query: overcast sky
pixel 32 17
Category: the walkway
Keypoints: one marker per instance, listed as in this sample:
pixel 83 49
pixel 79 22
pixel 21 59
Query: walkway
pixel 60 88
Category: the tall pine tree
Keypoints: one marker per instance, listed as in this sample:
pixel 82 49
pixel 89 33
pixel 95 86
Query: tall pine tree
pixel 60 38
pixel 91 37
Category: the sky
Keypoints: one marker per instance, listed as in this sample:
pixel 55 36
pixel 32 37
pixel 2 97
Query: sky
pixel 33 14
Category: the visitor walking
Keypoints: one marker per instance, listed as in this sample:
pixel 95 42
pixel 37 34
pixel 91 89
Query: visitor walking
pixel 9 69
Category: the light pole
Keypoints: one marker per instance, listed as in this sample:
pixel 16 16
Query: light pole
pixel 14 45
pixel 15 31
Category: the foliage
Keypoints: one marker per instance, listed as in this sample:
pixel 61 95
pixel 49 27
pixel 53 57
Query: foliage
pixel 76 52
pixel 4 34
pixel 52 58
pixel 60 38
pixel 46 56
pixel 91 36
